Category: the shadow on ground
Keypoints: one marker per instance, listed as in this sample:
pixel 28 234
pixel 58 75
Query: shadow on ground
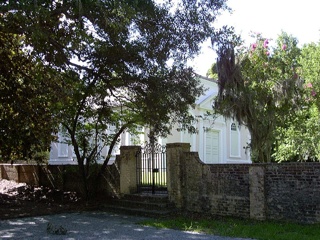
pixel 91 225
pixel 21 200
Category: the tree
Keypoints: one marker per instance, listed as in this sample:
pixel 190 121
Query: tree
pixel 112 57
pixel 260 88
pixel 299 140
pixel 26 103
pixel 212 72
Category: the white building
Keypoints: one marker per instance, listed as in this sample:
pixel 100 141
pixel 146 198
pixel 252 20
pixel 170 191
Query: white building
pixel 217 141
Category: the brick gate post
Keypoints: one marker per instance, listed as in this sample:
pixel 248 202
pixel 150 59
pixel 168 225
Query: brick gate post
pixel 174 179
pixel 128 169
pixel 257 192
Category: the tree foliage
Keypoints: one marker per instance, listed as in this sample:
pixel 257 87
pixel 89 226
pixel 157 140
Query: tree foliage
pixel 26 110
pixel 212 71
pixel 260 88
pixel 299 140
pixel 112 59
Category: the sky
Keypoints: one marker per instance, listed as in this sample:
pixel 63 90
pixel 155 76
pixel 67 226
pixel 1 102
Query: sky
pixel 299 18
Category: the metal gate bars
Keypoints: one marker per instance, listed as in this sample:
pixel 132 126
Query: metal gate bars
pixel 151 169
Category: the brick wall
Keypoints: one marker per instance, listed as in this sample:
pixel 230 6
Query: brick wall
pixel 293 191
pixel 20 173
pixel 66 177
pixel 216 189
pixel 110 183
pixel 63 177
pixel 286 191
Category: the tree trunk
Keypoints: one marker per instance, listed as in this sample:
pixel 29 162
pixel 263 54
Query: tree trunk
pixel 83 176
pixel 261 145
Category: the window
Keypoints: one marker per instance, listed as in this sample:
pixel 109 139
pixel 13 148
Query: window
pixel 63 148
pixel 137 138
pixel 234 141
pixel 111 132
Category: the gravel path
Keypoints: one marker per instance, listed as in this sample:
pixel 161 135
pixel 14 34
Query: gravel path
pixel 91 225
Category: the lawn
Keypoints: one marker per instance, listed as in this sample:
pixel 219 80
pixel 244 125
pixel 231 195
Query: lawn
pixel 160 178
pixel 262 230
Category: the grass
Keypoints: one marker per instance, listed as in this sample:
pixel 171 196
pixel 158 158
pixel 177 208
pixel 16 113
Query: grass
pixel 262 230
pixel 160 178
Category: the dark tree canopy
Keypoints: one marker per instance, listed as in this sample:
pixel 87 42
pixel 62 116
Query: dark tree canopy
pixel 26 116
pixel 111 59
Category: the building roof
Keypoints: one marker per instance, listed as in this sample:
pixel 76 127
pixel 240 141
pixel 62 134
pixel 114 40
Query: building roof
pixel 209 93
pixel 206 78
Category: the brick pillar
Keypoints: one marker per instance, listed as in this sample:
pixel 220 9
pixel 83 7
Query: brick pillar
pixel 174 179
pixel 257 192
pixel 128 170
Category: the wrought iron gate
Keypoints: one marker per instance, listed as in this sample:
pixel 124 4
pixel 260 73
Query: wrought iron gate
pixel 151 169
